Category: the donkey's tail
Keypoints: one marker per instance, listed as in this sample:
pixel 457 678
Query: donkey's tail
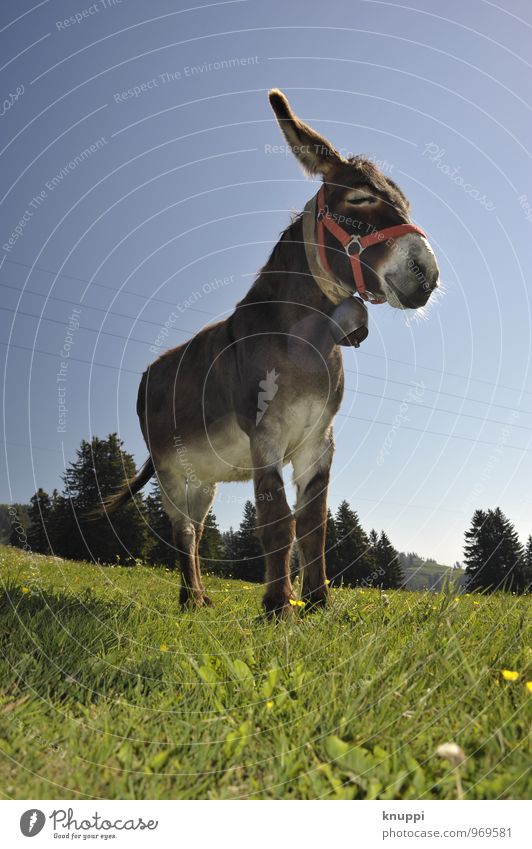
pixel 126 492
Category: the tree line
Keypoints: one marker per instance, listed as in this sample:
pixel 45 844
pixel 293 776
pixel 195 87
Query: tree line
pixel 61 524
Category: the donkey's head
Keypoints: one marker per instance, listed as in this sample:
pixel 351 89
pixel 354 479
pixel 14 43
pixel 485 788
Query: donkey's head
pixel 364 231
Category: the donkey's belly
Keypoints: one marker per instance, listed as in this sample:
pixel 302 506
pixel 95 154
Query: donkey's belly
pixel 224 453
pixel 220 455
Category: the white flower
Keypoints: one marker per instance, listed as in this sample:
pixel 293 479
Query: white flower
pixel 451 752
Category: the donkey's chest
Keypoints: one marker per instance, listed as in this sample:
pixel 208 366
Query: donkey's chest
pixel 305 418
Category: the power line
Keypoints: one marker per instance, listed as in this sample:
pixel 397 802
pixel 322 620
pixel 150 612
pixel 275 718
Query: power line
pixel 90 307
pixel 104 286
pixel 347 388
pixel 189 333
pixel 111 288
pixel 343 415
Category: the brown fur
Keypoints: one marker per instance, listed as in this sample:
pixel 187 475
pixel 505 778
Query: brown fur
pixel 198 403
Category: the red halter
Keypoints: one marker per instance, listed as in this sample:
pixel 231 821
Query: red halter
pixel 354 245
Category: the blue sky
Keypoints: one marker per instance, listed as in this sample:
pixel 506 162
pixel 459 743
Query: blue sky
pixel 181 196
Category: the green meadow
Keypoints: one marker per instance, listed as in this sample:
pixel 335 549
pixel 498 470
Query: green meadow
pixel 109 690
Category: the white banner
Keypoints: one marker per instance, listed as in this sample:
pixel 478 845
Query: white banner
pixel 266 825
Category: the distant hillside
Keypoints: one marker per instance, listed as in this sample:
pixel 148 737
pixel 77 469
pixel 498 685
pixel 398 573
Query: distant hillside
pixel 421 574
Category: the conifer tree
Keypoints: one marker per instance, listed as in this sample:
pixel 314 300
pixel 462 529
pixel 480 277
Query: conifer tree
pixel 388 573
pixel 98 471
pixel 229 555
pixel 249 561
pixel 211 547
pixel 40 516
pixel 19 525
pixel 159 548
pixel 355 559
pixel 527 567
pixel 331 552
pixel 492 553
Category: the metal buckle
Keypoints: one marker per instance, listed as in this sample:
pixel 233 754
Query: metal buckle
pixel 353 247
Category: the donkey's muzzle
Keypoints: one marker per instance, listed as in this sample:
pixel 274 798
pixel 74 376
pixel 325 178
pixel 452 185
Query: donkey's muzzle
pixel 414 291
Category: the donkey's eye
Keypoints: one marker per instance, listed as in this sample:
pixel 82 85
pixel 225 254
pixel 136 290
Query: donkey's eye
pixel 359 200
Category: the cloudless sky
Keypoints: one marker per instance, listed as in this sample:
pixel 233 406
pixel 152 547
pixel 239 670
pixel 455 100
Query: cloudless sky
pixel 183 190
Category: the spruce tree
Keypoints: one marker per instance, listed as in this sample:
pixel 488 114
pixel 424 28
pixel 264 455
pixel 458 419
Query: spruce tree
pixel 388 572
pixel 249 561
pixel 211 548
pixel 356 563
pixel 230 552
pixel 40 516
pixel 492 553
pixel 159 548
pixel 331 550
pixel 99 470
pixel 20 523
pixel 527 567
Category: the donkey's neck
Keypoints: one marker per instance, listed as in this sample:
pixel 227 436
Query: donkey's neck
pixel 286 278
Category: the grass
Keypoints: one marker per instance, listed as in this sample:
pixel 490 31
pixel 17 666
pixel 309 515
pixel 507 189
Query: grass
pixel 109 690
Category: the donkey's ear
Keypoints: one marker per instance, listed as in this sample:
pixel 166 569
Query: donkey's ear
pixel 316 154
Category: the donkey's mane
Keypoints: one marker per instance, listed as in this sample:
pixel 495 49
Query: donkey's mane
pixel 287 256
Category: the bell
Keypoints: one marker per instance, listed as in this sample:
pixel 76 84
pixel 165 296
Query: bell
pixel 349 322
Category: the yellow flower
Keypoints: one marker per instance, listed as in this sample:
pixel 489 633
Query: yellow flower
pixel 269 705
pixel 509 675
pixel 25 589
pixel 296 602
pixel 327 581
pixel 163 647
pixel 528 685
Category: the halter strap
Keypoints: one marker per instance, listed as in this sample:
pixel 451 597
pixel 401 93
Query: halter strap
pixel 331 287
pixel 353 245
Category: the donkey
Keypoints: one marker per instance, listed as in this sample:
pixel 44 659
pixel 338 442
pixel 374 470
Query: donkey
pixel 249 394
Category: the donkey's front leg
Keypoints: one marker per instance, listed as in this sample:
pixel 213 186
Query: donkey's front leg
pixel 312 463
pixel 275 528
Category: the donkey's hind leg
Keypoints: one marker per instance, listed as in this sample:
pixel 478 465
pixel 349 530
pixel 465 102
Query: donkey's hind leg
pixel 175 502
pixel 199 501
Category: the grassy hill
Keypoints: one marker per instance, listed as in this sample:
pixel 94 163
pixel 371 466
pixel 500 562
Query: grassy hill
pixel 430 575
pixel 109 690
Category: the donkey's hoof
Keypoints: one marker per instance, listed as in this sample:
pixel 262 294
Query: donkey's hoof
pixel 276 607
pixel 316 600
pixel 191 599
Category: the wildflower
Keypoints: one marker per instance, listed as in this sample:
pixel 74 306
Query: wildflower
pixel 327 581
pixel 25 589
pixel 296 602
pixel 269 705
pixel 528 685
pixel 509 675
pixel 456 757
pixel 452 753
pixel 163 647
